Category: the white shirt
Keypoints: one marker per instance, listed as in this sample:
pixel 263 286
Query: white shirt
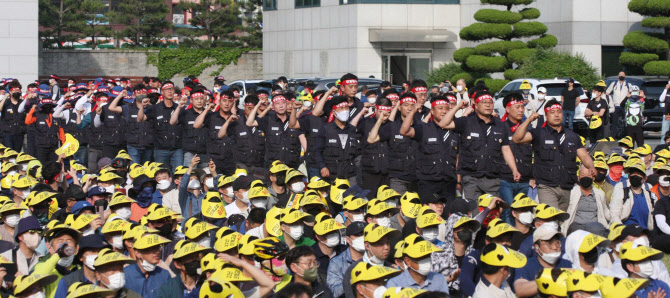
pixel 257 231
pixel 232 209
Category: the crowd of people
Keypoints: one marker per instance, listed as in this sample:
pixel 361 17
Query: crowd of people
pixel 154 190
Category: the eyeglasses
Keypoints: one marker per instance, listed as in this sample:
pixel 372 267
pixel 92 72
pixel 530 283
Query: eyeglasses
pixel 553 242
pixel 311 264
pixel 38 232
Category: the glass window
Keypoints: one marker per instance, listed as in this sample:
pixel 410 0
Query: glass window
pixel 401 1
pixel 270 4
pixel 307 3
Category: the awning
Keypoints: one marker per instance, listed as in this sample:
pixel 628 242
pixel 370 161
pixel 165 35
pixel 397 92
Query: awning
pixel 402 35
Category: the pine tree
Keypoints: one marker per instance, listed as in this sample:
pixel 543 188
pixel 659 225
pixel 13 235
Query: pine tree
pixel 59 19
pixel 216 19
pixel 94 20
pixel 648 50
pixel 145 20
pixel 252 26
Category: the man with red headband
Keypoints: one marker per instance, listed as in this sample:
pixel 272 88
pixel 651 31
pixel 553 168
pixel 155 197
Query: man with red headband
pixel 54 89
pixel 138 133
pixel 167 138
pixel 13 122
pixel 484 140
pixel 556 149
pixel 375 156
pixel 420 90
pixel 113 125
pixel 47 129
pixel 219 145
pixel 438 147
pixel 195 139
pixel 249 149
pixel 348 88
pixel 305 120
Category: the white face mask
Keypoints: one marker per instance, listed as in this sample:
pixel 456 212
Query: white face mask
pixel 663 182
pixel 124 212
pixel 89 260
pixel 148 267
pixel 540 96
pixel 66 261
pixel 11 173
pixel 308 104
pixel 209 182
pixel 372 100
pixel 163 185
pixel 342 116
pixel 258 203
pixel 379 292
pixel 358 217
pixel 392 203
pixel 550 258
pixel 618 247
pixel 424 266
pixel 430 233
pixel 39 294
pixel 295 231
pixel 24 167
pixel 24 194
pixel 551 224
pixel 117 241
pixel 205 241
pixel 12 220
pixel 31 240
pixel 384 222
pixel 332 239
pixel 298 187
pixel 116 281
pixel 459 88
pixel 374 260
pixel 229 191
pixel 194 184
pixel 642 241
pixel 646 269
pixel 358 244
pixel 110 189
pixel 526 218
pixel 89 231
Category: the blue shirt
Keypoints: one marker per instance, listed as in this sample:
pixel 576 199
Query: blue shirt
pixel 336 269
pixel 533 266
pixel 145 286
pixel 640 212
pixel 471 273
pixel 434 282
pixel 654 285
pixel 187 198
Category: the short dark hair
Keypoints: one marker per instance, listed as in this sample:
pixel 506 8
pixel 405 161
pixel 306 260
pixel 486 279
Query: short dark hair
pixel 600 89
pixel 418 83
pixel 371 92
pixel 163 171
pixel 385 84
pixel 282 79
pixel 407 94
pixel 228 93
pixel 293 290
pixel 349 76
pixel 486 268
pixel 552 102
pixel 384 102
pixel 257 215
pixel 389 92
pixel 51 170
pixel 251 99
pixel 15 84
pixel 296 253
pixel 510 97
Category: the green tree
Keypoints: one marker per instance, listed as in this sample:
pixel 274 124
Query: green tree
pixel 647 50
pixel 59 19
pixel 216 19
pixel 145 20
pixel 94 21
pixel 503 27
pixel 549 63
pixel 252 30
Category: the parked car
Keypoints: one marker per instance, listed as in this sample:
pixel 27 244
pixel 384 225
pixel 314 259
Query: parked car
pixel 652 86
pixel 244 86
pixel 554 87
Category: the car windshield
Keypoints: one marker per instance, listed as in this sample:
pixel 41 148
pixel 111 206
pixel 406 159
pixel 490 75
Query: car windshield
pixel 555 89
pixel 653 89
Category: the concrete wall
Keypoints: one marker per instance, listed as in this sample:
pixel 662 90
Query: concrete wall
pixel 19 41
pixel 113 63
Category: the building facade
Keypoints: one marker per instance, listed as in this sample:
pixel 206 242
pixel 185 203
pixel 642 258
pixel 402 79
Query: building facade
pixel 401 40
pixel 19 42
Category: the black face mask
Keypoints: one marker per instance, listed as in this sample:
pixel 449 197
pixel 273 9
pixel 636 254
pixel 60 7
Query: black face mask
pixel 47 109
pixel 465 236
pixel 280 180
pixel 635 181
pixel 591 257
pixel 585 182
pixel 16 95
pixel 165 230
pixel 192 268
pixel 101 203
pixel 600 177
pixel 621 78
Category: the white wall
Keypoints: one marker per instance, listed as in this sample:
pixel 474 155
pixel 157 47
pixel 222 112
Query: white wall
pixel 19 41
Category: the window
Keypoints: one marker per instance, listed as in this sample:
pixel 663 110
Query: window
pixel 610 61
pixel 270 4
pixel 401 1
pixel 307 3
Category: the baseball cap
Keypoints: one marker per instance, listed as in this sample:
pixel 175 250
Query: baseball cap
pixel 367 272
pixel 552 281
pixel 635 252
pixel 81 206
pixel 497 255
pixel 581 281
pixel 625 287
pixel 544 232
pixel 242 182
pixel 355 228
pixel 374 232
pixel 97 190
pixel 417 248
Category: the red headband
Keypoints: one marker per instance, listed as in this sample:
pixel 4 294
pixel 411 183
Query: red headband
pixel 248 104
pixel 393 96
pixel 262 95
pixel 349 82
pixel 194 94
pixel 514 102
pixel 341 105
pixel 278 98
pixel 482 97
pixel 407 99
pixel 188 88
pixel 384 108
pixel 439 102
pixel 103 98
pixel 168 85
pixel 553 107
pixel 451 98
pixel 419 89
pixel 15 89
pixel 33 89
pixel 236 93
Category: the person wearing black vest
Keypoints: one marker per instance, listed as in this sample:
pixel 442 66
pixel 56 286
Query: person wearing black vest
pixel 139 134
pixel 249 149
pixel 281 142
pixel 484 149
pixel 348 87
pixel 523 156
pixel 113 126
pixel 597 106
pixel 438 148
pixel 30 100
pixel 13 122
pixel 305 120
pixel 54 89
pixel 338 144
pixel 375 156
pixel 47 131
pixel 195 139
pixel 420 90
pixel 67 117
pixel 219 146
pixel 556 149
pixel 99 98
pixel 167 138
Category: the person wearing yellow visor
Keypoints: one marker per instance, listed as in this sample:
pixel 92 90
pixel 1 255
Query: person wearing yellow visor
pixel 85 253
pixel 277 189
pixel 109 272
pixel 583 249
pixel 145 276
pixel 418 263
pixel 293 227
pixel 338 265
pixel 370 280
pixel 615 174
pixel 636 260
pixel 188 279
pixel 587 204
pixel 11 214
pixel 631 201
pixel 600 182
pixel 327 233
pixel 497 262
pixel 596 110
pixel 545 215
pixel 522 210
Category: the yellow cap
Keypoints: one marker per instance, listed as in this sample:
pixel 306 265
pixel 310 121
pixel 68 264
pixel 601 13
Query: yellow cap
pixel 55 228
pixel 231 274
pixel 665 153
pixel 366 272
pixel 590 242
pixel 522 201
pixel 376 207
pixel 485 199
pixel 614 287
pixel 109 176
pixel 410 204
pixel 130 232
pixel 398 249
pixel 598 154
pixel 385 193
pixel 24 182
pixel 197 229
pixel 6 166
pixel 596 122
pixel 189 248
pixel 553 282
pixel 397 292
pixel 634 252
pixel 426 219
pixel 227 242
pixel 643 150
pixel 337 190
pixel 525 85
pixel 291 216
pixel 108 256
pixel 374 232
pixel 83 220
pixel 418 248
pixel 11 206
pixel 352 203
pixel 149 241
pixel 615 158
pixel 273 221
pixel 257 192
pixel 311 197
pixel 76 166
pixel 582 281
pixel 120 199
pixel 599 164
pixel 123 155
pixel 35 198
pixel 292 174
pixel 223 289
pixel 317 182
pixel 467 220
pixel 326 226
pixel 501 256
pixel 209 262
pixel 112 226
pixel 638 165
pixel 24 282
pixel 80 289
pixel 544 211
pixel 615 231
pixel 159 214
pixel 628 141
pixel 498 228
pixel 246 245
pixel 24 157
pixel 212 206
pixel 277 167
pixel 136 172
pixel 225 180
pixel 180 170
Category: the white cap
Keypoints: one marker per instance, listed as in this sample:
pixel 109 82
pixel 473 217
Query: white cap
pixel 544 232
pixel 542 90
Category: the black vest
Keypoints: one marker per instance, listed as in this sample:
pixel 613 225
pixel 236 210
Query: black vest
pixel 218 148
pixel 402 152
pixel 94 133
pixel 70 126
pixel 339 161
pixel 315 123
pixel 194 139
pixel 13 122
pixel 438 148
pixel 166 136
pixel 555 157
pixel 46 136
pixel 113 128
pixel 375 157
pixel 249 143
pixel 281 142
pixel 481 145
pixel 523 155
pixel 139 134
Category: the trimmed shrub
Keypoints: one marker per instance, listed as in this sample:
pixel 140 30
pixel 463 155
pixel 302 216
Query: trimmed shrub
pixel 501 47
pixel 518 56
pixel 530 13
pixel 650 7
pixel 636 59
pixel 467 77
pixel 497 16
pixel 639 41
pixel 526 29
pixel 443 72
pixel 462 54
pixel 507 2
pixel 494 85
pixel 486 64
pixel 481 31
pixel 657 68
pixel 656 22
pixel 549 63
pixel 546 41
pixel 513 74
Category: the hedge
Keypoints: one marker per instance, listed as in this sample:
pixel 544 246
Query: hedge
pixel 513 74
pixel 639 41
pixel 507 2
pixel 481 31
pixel 656 22
pixel 462 54
pixel 657 68
pixel 171 62
pixel 636 59
pixel 443 72
pixel 530 13
pixel 467 77
pixel 650 7
pixel 501 47
pixel 549 63
pixel 518 56
pixel 494 85
pixel 546 41
pixel 486 64
pixel 527 29
pixel 497 16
